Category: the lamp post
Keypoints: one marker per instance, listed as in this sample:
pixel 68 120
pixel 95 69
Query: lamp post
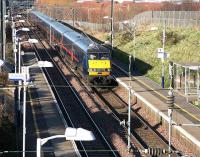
pixel 13 27
pixel 3 31
pixel 19 66
pixel 132 32
pixel 162 60
pixel 112 23
pixel 112 31
pixel 14 32
pixel 170 102
pixel 33 41
pixel 129 106
pixel 15 43
pixel 111 17
pixel 25 71
pixel 24 76
pixel 70 134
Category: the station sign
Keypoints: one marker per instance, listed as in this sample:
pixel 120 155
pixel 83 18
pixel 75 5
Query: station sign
pixel 161 54
pixel 16 76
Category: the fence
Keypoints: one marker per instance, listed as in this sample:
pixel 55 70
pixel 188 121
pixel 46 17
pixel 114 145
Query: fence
pixel 92 18
pixel 171 18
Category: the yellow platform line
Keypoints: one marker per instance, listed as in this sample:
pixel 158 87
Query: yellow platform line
pixel 193 116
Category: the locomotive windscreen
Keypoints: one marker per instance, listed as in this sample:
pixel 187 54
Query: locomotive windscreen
pixel 99 56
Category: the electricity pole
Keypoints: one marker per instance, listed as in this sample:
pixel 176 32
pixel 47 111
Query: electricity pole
pixel 162 60
pixel 129 106
pixel 3 39
pixel 112 24
pixel 170 102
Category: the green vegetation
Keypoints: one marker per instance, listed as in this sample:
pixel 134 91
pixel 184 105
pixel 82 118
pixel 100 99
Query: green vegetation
pixel 183 45
pixel 7 128
pixel 7 136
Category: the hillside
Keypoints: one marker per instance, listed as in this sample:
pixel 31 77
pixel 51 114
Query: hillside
pixel 183 45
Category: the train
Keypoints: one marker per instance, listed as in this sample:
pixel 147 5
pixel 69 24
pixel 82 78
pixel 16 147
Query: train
pixel 89 58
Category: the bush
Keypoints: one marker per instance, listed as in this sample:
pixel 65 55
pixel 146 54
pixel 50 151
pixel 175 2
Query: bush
pixel 172 37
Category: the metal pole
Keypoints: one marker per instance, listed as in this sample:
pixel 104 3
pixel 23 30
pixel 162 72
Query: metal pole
pixel 164 36
pixel 73 16
pixel 19 57
pixel 112 27
pixel 163 73
pixel 19 71
pixel 15 53
pixel 24 118
pixel 50 35
pixel 189 88
pixel 2 21
pixel 12 29
pixel 129 107
pixel 14 43
pixel 27 10
pixel 4 31
pixel 38 151
pixel 177 77
pixel 198 82
pixel 171 74
pixel 170 102
pixel 185 80
pixel 134 58
pixel 170 130
pixel 162 60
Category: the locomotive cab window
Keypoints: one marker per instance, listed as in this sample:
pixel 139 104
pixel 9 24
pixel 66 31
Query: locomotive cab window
pixel 104 56
pixel 99 56
pixel 93 56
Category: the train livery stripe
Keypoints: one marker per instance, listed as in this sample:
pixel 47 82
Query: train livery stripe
pixel 64 48
pixel 70 53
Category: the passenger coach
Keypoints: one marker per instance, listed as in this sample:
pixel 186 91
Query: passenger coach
pixel 89 58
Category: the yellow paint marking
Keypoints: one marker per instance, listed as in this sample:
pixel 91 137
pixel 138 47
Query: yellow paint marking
pixel 166 99
pixel 99 64
pixel 34 115
pixel 99 73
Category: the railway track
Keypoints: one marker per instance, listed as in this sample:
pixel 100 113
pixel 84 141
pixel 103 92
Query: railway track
pixel 73 109
pixel 149 137
pixel 140 129
pixel 142 132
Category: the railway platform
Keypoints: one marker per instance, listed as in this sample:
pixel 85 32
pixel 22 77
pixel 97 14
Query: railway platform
pixel 153 98
pixel 44 118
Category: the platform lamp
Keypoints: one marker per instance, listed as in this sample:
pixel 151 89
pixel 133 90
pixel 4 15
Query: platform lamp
pixel 25 71
pixel 31 41
pixel 15 43
pixel 74 134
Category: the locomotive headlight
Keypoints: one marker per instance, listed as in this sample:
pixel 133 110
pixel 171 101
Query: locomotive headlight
pixel 108 70
pixel 92 70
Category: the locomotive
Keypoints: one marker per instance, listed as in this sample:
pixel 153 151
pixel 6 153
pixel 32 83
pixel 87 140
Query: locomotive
pixel 91 59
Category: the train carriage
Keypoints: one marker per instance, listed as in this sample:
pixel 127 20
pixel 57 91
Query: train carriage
pixel 92 60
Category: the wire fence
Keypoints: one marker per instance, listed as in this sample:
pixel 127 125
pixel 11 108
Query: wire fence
pixel 93 18
pixel 171 18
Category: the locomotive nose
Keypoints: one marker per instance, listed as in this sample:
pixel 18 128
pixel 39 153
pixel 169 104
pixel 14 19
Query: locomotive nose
pixel 99 67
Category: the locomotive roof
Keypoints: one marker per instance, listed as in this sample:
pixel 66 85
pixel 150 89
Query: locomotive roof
pixel 77 38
